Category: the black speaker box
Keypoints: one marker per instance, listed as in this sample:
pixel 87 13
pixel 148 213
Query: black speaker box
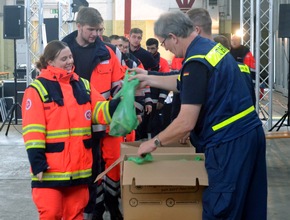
pixel 284 21
pixel 51 27
pixel 13 22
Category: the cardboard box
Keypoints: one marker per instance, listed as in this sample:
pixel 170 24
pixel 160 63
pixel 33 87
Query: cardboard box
pixel 168 188
pixel 176 148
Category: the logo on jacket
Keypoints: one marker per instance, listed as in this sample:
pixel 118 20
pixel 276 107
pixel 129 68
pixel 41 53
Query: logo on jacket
pixel 88 115
pixel 28 104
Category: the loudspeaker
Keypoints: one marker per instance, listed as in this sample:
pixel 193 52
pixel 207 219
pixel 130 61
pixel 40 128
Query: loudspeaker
pixel 284 21
pixel 13 22
pixel 51 27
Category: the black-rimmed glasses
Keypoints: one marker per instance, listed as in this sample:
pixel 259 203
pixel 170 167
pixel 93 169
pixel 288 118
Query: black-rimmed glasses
pixel 163 42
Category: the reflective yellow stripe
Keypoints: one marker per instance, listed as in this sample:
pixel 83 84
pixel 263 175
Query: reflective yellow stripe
pixel 35 144
pixel 56 176
pixel 233 118
pixel 104 106
pixel 57 134
pixel 33 128
pixel 66 132
pixel 41 90
pixel 106 111
pixel 216 54
pixel 87 85
pixel 195 56
pixel 80 131
pixel 244 68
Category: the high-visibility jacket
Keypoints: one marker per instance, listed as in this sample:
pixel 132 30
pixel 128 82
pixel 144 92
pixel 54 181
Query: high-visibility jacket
pixel 58 111
pixel 228 111
pixel 105 72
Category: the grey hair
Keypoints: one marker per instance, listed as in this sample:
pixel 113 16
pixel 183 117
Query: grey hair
pixel 176 23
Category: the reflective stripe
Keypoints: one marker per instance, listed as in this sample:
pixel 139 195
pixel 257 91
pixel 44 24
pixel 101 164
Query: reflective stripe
pixel 233 118
pixel 80 131
pixel 106 95
pixel 56 176
pixel 97 128
pixel 216 54
pixel 33 128
pixel 195 56
pixel 41 90
pixel 57 134
pixel 40 144
pixel 87 85
pixel 104 107
pixel 244 68
pixel 66 132
pixel 138 106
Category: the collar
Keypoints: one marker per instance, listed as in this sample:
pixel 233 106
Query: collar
pixel 58 74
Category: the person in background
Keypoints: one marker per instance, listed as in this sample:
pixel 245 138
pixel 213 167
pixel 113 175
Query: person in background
pixel 97 62
pixel 217 110
pixel 223 40
pixel 244 68
pixel 176 63
pixel 149 63
pixel 158 96
pixel 243 54
pixel 58 140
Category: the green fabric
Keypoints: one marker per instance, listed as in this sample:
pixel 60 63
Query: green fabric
pixel 124 119
pixel 141 160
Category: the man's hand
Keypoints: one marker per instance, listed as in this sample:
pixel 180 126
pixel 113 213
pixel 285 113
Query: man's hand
pixel 148 109
pixel 146 147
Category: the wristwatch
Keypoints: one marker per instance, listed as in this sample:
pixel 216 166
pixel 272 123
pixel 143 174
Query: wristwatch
pixel 157 142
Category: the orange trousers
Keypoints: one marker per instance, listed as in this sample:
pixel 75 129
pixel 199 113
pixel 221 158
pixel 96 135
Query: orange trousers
pixel 61 203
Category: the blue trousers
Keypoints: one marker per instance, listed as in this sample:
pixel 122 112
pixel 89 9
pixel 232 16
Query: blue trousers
pixel 237 179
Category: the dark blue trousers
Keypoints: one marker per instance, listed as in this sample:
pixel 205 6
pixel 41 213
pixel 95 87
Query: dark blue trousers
pixel 237 179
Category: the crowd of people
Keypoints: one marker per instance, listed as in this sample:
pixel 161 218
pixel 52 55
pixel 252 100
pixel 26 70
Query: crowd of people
pixel 204 96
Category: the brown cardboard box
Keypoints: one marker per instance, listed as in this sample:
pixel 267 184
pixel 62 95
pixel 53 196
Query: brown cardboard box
pixel 176 148
pixel 168 188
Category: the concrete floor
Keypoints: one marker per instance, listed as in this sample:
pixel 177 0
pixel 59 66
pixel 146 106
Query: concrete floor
pixel 15 197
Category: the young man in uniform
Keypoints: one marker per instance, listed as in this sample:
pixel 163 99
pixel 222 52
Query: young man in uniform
pixel 158 96
pixel 149 63
pixel 217 110
pixel 98 63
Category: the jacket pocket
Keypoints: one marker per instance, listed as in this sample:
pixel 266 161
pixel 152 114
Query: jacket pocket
pixel 54 147
pixel 88 143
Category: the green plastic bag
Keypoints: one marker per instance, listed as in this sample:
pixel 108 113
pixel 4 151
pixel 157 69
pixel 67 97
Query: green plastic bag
pixel 141 160
pixel 124 119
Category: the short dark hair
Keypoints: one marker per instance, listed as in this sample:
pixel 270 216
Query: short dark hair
pixel 114 37
pixel 136 31
pixel 152 41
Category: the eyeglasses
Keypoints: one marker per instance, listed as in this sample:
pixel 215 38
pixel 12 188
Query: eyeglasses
pixel 163 42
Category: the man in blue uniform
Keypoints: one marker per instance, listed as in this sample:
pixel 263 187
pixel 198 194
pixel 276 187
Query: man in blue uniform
pixel 217 110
